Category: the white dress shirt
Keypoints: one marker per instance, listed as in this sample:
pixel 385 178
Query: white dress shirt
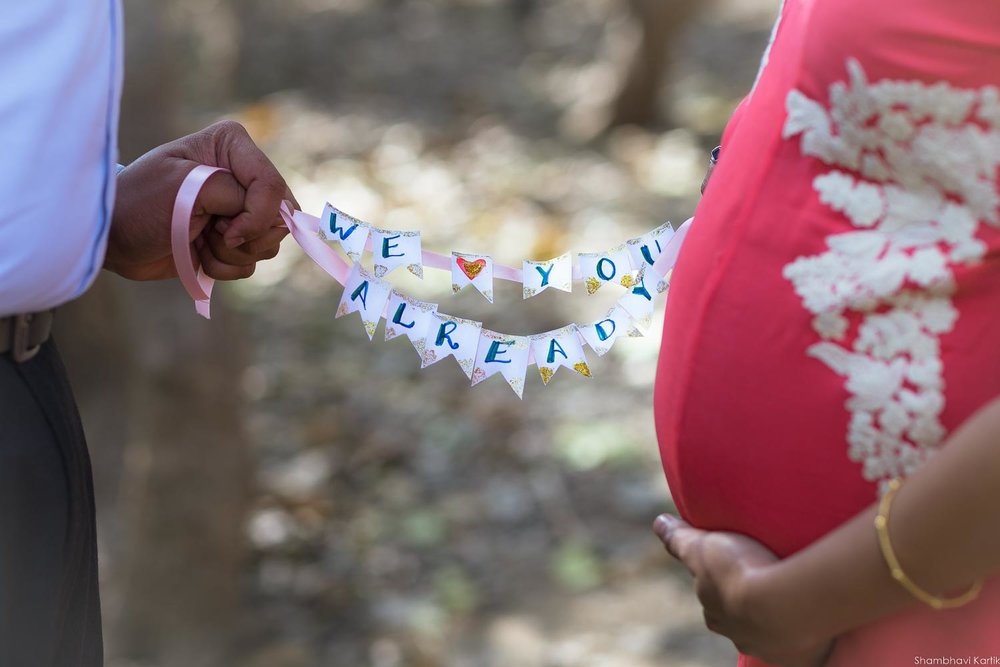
pixel 60 85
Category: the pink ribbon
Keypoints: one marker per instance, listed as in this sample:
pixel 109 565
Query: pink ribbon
pixel 665 262
pixel 197 284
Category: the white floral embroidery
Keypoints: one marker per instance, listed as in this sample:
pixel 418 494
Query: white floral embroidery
pixel 921 176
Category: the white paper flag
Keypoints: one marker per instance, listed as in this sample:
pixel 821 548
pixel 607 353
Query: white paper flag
pixel 449 336
pixel 391 249
pixel 557 348
pixel 475 270
pixel 646 249
pixel 539 276
pixel 366 294
pixel 346 230
pixel 638 301
pixel 602 334
pixel 406 315
pixel 500 353
pixel 599 268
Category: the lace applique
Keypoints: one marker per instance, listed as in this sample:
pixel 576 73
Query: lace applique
pixel 922 175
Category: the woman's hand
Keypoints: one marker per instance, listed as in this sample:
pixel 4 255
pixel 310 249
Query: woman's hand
pixel 235 223
pixel 730 576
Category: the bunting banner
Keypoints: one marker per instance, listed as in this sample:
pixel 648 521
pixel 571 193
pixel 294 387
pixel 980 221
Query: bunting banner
pixel 642 266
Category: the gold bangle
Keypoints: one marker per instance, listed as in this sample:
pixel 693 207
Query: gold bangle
pixel 882 528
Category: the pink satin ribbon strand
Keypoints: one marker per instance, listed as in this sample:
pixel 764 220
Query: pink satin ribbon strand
pixel 197 284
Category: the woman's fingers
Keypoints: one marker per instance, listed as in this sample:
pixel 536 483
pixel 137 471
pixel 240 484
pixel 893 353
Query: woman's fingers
pixel 678 537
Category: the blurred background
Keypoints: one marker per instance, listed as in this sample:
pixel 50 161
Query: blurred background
pixel 276 491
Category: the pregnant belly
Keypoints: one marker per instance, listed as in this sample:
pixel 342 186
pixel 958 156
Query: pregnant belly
pixel 751 430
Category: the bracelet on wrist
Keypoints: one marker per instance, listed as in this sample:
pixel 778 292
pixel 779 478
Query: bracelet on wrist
pixel 882 529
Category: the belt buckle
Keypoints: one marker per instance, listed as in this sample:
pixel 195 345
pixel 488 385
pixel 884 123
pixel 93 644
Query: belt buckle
pixel 20 351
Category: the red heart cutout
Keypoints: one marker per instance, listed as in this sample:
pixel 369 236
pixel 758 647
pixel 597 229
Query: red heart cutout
pixel 471 269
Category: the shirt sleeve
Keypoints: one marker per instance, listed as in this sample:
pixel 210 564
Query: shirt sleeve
pixel 60 83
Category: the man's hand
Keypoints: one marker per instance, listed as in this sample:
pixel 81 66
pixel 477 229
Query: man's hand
pixel 235 223
pixel 730 577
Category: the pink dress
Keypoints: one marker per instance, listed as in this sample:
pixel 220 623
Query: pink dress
pixel 835 311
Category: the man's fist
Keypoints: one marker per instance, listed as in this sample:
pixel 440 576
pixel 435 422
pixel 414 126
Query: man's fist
pixel 235 222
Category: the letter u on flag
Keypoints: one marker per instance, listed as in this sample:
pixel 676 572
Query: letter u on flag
pixel 646 249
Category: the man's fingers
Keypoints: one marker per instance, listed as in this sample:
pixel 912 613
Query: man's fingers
pixel 214 268
pixel 222 195
pixel 265 188
pixel 263 248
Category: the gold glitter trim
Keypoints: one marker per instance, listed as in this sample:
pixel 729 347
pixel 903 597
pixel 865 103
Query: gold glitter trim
pixel 546 373
pixel 627 280
pixel 582 368
pixel 370 328
pixel 593 284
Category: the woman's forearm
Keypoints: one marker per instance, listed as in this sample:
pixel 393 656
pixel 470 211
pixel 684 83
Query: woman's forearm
pixel 942 527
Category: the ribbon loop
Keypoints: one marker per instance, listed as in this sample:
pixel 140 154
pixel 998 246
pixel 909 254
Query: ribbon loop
pixel 197 284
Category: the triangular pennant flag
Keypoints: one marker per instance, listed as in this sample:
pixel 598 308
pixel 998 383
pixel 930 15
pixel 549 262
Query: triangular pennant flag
pixel 638 301
pixel 539 276
pixel 602 334
pixel 346 230
pixel 449 336
pixel 475 270
pixel 500 353
pixel 659 284
pixel 391 249
pixel 366 294
pixel 557 348
pixel 599 268
pixel 406 315
pixel 646 249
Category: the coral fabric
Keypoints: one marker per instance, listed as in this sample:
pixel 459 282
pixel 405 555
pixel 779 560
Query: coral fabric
pixel 752 430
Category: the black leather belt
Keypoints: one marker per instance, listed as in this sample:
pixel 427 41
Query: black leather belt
pixel 22 335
